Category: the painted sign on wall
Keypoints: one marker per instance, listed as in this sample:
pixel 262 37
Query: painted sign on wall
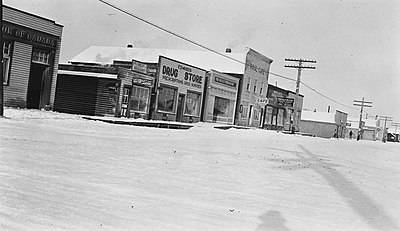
pixel 181 75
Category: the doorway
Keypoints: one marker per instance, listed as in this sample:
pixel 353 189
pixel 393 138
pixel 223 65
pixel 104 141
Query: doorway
pixel 35 86
pixel 250 120
pixel 179 110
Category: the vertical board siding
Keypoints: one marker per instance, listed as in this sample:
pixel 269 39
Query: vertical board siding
pixel 15 93
pixel 31 21
pixel 106 97
pixel 55 70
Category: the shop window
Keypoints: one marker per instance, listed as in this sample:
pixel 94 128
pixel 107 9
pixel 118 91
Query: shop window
pixel 221 107
pixel 268 115
pixel 6 62
pixel 192 106
pixel 40 57
pixel 139 99
pixel 166 99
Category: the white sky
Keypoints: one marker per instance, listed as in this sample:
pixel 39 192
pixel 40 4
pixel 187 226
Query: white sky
pixel 355 43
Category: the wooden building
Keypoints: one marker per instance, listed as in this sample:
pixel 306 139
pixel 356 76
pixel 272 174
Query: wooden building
pixel 31 50
pixel 86 90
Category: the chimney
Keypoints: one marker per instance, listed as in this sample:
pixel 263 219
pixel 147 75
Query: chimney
pixel 129 45
pixel 228 50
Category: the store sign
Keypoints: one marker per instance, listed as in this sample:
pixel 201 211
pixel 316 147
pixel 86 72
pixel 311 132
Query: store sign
pixel 225 82
pixel 179 74
pixel 262 100
pixel 144 82
pixel 139 67
pixel 285 101
pixel 27 35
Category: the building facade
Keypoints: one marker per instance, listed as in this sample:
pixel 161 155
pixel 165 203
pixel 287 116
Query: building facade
pixel 279 111
pixel 31 51
pixel 221 92
pixel 180 89
pixel 253 92
pixel 136 92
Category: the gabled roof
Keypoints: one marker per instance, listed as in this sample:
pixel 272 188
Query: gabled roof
pixel 202 59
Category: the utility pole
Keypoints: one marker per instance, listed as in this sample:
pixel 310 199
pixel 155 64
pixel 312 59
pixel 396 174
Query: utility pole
pixel 1 62
pixel 299 67
pixel 362 104
pixel 387 118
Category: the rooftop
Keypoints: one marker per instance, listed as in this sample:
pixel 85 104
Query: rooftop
pixel 202 59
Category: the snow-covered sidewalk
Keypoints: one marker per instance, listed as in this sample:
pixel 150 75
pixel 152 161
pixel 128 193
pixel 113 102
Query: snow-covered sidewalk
pixel 62 172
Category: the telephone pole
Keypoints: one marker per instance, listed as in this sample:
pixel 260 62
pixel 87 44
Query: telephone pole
pixel 361 103
pixel 299 67
pixel 387 118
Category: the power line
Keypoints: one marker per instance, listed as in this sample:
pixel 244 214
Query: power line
pixel 212 50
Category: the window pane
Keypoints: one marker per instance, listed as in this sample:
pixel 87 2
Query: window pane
pixel 166 99
pixel 192 104
pixel 221 107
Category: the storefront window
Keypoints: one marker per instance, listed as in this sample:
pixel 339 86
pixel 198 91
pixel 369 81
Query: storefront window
pixel 221 107
pixel 193 104
pixel 40 57
pixel 268 115
pixel 166 99
pixel 6 61
pixel 139 99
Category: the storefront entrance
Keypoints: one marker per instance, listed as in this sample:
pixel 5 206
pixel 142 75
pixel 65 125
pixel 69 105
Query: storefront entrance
pixel 35 85
pixel 179 110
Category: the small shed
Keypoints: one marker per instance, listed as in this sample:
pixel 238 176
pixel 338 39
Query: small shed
pixel 86 93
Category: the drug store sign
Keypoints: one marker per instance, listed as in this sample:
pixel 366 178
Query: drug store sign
pixel 179 74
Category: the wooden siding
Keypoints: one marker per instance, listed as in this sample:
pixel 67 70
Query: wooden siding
pixel 106 101
pixel 320 129
pixel 55 70
pixel 15 93
pixel 31 21
pixel 76 95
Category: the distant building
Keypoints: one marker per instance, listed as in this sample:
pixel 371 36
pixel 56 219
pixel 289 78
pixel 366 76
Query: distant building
pixel 323 124
pixel 370 129
pixel 31 50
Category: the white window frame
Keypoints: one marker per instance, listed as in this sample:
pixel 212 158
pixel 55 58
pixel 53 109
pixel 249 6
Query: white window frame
pixel 42 57
pixel 6 62
pixel 140 99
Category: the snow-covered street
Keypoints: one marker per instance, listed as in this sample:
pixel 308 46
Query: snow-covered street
pixel 61 172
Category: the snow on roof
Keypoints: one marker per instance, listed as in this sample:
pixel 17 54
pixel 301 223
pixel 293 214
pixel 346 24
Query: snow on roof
pixel 370 122
pixel 202 59
pixel 88 74
pixel 318 116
